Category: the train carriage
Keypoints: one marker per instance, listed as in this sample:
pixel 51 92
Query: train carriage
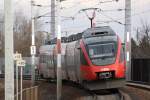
pixel 93 58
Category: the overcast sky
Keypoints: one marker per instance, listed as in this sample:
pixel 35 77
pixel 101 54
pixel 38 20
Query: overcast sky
pixel 140 10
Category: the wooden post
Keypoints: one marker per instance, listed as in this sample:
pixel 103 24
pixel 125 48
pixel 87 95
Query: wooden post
pixel 32 93
pixel 36 93
pixel 28 97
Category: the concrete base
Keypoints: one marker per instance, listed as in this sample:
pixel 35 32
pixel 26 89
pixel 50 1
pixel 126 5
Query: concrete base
pixel 104 84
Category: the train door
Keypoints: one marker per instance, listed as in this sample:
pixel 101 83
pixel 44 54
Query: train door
pixel 63 61
pixel 43 64
pixel 55 61
pixel 77 61
pixel 70 61
pixel 51 64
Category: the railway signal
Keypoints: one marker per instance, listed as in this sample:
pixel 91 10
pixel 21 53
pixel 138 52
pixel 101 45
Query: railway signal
pixel 17 56
pixel 21 63
pixel 33 50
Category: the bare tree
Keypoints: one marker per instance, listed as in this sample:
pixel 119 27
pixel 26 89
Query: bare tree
pixel 143 40
pixel 134 48
pixel 22 35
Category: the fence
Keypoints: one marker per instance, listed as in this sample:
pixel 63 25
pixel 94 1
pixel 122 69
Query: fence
pixel 28 94
pixel 27 69
pixel 140 70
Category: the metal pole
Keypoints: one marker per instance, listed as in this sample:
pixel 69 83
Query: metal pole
pixel 16 81
pixel 127 36
pixel 33 43
pixel 91 20
pixel 17 57
pixel 1 36
pixel 59 77
pixel 21 83
pixel 53 27
pixel 9 50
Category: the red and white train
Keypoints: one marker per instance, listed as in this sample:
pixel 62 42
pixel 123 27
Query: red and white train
pixel 93 58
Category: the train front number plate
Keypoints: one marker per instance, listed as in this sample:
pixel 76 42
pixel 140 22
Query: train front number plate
pixel 105 75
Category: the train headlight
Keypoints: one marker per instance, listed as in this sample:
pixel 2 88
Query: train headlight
pixel 105 69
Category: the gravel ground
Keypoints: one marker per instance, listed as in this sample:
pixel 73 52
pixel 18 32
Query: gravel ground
pixel 137 94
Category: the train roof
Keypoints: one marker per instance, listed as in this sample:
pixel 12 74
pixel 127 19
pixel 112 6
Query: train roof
pixel 90 32
pixel 70 38
pixel 98 31
pixel 102 39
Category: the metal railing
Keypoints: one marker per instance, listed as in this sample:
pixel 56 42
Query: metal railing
pixel 140 70
pixel 28 93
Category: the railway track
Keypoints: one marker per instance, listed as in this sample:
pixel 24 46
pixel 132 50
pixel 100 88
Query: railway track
pixel 74 91
pixel 71 90
pixel 113 94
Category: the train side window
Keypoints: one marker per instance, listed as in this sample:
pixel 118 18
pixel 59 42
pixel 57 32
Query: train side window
pixel 122 57
pixel 41 58
pixel 82 58
pixel 44 58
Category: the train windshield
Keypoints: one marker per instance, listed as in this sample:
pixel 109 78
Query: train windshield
pixel 102 54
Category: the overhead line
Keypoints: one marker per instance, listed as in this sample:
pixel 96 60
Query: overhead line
pixel 113 19
pixel 143 12
pixel 116 20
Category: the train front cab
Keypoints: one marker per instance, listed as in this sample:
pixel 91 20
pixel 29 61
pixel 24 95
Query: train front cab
pixel 103 77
